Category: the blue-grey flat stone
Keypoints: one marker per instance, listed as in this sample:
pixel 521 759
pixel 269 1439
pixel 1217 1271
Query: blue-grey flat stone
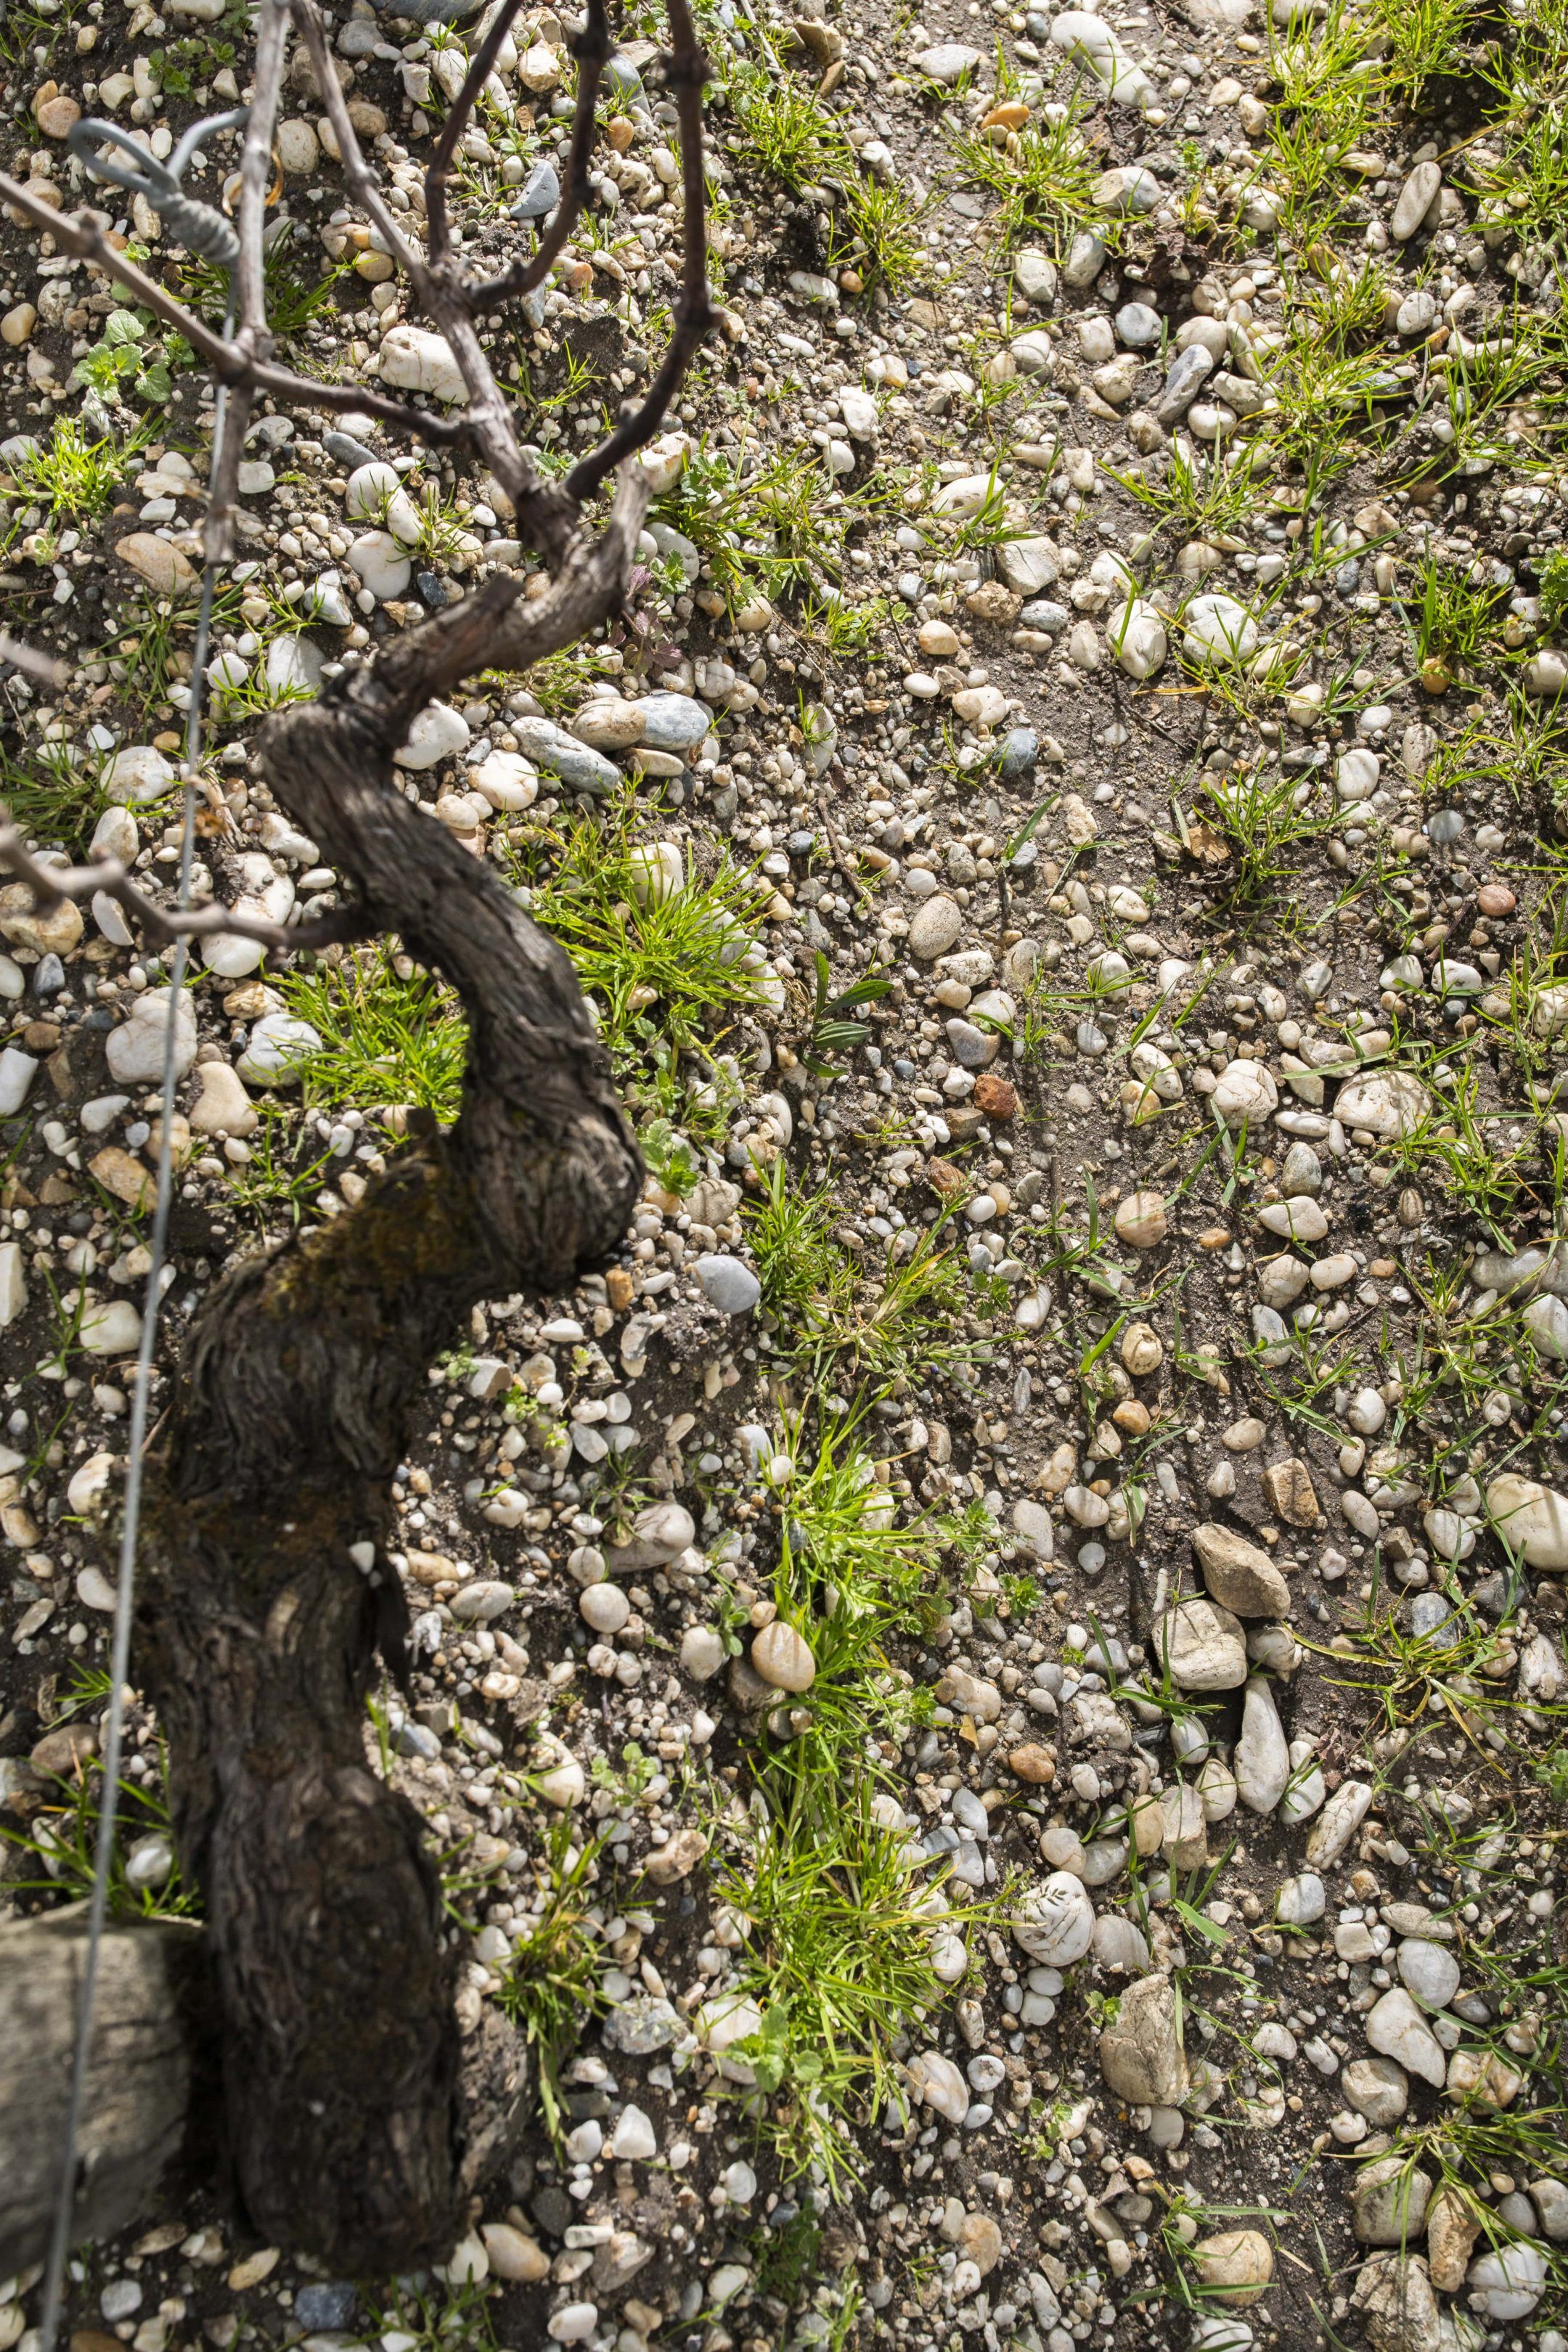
pixel 541 740
pixel 541 193
pixel 673 723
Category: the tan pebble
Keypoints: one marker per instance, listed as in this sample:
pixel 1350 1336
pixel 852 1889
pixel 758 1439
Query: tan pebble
pixel 514 2256
pixel 1235 2266
pixel 1032 1763
pixel 54 113
pixel 1142 1350
pixel 1291 1492
pixel 18 324
pixel 939 637
pixel 676 1859
pixel 1141 1219
pixel 782 1657
pixel 253 2269
pixel 163 567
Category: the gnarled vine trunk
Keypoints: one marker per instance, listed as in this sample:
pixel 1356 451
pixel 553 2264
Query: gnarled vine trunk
pixel 257 1629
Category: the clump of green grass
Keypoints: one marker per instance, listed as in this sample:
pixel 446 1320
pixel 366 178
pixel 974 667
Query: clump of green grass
pixel 758 523
pixel 1213 491
pixel 837 1320
pixel 73 479
pixel 58 1850
pixel 295 299
pixel 1263 814
pixel 656 959
pixel 390 1033
pixel 838 1958
pixel 48 798
pixel 1043 177
pixel 785 134
pixel 553 1984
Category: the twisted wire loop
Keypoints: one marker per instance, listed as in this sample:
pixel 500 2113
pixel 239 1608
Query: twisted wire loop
pixel 200 227
pixel 204 231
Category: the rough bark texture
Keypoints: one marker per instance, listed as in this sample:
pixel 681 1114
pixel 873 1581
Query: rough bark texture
pixel 153 2013
pixel 258 1632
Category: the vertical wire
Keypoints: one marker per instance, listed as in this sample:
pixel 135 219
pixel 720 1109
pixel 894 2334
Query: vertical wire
pixel 120 1652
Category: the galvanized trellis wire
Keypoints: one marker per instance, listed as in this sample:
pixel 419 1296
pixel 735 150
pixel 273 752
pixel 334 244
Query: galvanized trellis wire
pixel 204 230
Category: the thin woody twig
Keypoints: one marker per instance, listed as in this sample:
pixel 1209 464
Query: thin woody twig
pixel 685 70
pixel 248 281
pixel 455 123
pixel 43 666
pixel 255 172
pixel 591 49
pixel 361 180
pixel 51 884
pixel 227 361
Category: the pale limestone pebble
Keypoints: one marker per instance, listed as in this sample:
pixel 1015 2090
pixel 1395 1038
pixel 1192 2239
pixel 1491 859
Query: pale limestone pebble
pixel 1262 1760
pixel 1141 2054
pixel 1218 629
pixel 1054 1922
pixel 297 147
pixel 1234 2267
pixel 1032 1525
pixel 1141 1219
pixel 1428 1971
pixel 1203 1646
pixel 514 2255
pixel 1139 639
pixel 52 931
pixel 1216 1789
pixel 948 61
pixel 1338 1823
pixel 416 360
pixel 17 1071
pixel 380 561
pixel 1397 2029
pixel 112 1330
pixel 1246 1094
pixel 1301 1901
pixel 279 1046
pixel 136 775
pixel 1387 1104
pixel 1378 2089
pixel 782 1657
pixel 1389 2202
pixel 91 1485
pixel 157 561
pixel 1392 2296
pixel 1416 198
pixel 1297 1220
pixel 1308 1790
pixel 438 732
pixel 505 780
pixel 936 925
pixel 938 2084
pixel 1239 1575
pixel 12 1283
pixel 703 1652
pixel 1090 41
pixel 1507 2282
pixel 135 1051
pixel 1533 1520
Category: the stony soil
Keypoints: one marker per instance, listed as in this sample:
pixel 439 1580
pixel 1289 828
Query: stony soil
pixel 1084 1411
